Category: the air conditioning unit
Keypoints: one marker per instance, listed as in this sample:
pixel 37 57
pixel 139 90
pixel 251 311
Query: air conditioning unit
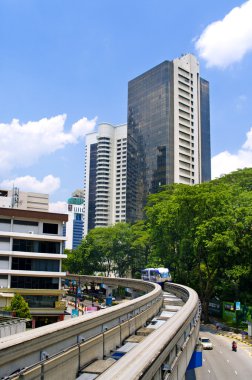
pixel 30 232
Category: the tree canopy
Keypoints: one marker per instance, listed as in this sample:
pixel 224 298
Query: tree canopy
pixel 120 249
pixel 19 306
pixel 203 233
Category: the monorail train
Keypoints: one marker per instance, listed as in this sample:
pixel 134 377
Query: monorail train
pixel 158 275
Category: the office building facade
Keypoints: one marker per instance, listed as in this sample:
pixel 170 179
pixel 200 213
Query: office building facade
pixel 168 135
pixel 105 176
pixel 31 253
pixel 75 224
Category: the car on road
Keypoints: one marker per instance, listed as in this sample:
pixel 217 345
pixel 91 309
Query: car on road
pixel 206 343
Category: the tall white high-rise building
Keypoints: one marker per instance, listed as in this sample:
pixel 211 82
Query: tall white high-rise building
pixel 105 176
pixel 186 120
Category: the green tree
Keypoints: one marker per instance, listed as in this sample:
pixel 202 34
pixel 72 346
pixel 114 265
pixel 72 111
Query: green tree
pixel 99 245
pixel 169 217
pixel 141 248
pixel 19 306
pixel 203 232
pixel 238 280
pixel 118 249
pixel 81 260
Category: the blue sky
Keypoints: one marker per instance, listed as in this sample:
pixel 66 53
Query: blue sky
pixel 65 67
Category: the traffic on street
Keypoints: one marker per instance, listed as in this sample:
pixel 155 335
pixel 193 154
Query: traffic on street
pixel 221 362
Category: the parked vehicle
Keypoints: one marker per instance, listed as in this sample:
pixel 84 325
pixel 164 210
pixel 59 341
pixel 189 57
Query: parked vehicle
pixel 206 343
pixel 158 275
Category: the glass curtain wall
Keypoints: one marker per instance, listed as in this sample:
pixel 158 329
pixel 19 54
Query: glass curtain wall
pixel 150 137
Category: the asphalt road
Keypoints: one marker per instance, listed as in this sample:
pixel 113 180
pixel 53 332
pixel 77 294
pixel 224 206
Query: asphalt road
pixel 222 363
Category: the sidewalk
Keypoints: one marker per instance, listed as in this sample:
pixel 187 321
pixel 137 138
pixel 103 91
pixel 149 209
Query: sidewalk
pixel 230 334
pixel 82 307
pixel 241 338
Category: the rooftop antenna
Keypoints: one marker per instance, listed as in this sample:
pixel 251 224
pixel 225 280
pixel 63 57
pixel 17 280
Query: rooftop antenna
pixel 15 197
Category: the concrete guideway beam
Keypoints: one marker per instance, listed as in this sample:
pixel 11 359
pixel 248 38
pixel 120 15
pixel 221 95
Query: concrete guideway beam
pixel 172 344
pixel 63 349
pixel 25 349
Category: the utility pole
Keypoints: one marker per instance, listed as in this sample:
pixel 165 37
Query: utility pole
pixel 78 288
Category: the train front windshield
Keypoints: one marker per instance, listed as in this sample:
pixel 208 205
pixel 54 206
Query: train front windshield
pixel 164 274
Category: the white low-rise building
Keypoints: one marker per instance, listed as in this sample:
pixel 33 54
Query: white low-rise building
pixel 31 253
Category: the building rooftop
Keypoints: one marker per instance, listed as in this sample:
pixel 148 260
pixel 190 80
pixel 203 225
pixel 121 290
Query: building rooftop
pixel 11 212
pixel 75 201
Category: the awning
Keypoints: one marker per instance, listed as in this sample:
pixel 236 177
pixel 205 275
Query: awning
pixel 46 312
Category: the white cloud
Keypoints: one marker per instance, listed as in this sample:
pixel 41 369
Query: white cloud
pixel 23 144
pixel 225 162
pixel 48 185
pixel 59 207
pixel 227 41
pixel 248 142
pixel 240 102
pixel 82 127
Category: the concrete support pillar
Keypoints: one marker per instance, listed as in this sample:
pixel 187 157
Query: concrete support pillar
pixel 132 292
pixel 109 291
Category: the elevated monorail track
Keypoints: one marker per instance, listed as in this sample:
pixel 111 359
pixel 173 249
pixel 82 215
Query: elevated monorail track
pixel 66 349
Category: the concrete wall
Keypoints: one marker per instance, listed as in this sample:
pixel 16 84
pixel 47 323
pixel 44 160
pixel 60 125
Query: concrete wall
pixel 63 349
pixel 26 349
pixel 10 328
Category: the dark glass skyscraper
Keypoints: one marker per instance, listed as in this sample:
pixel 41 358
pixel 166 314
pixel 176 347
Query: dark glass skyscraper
pixel 168 131
pixel 205 131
